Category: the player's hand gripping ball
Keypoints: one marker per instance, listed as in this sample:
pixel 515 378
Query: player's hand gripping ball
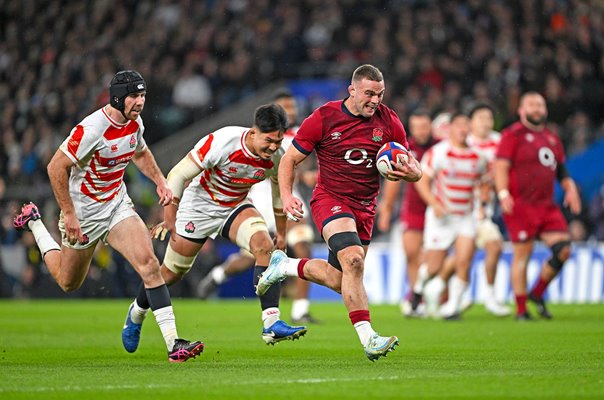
pixel 391 151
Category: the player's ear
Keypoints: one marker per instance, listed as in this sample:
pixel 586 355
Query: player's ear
pixel 350 89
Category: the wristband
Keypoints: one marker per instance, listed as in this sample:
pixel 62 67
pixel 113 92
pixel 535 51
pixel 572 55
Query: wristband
pixel 503 194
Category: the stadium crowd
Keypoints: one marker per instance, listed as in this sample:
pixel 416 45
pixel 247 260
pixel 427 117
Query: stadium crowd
pixel 57 57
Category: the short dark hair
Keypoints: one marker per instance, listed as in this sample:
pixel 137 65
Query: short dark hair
pixel 421 112
pixel 283 93
pixel 457 114
pixel 270 118
pixel 367 71
pixel 479 106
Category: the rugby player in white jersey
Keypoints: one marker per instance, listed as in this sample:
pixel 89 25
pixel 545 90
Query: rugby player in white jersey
pixel 484 139
pixel 488 236
pixel 299 234
pixel 87 177
pixel 452 170
pixel 221 168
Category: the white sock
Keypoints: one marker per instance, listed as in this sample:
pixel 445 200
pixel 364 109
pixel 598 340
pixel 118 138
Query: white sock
pixel 489 294
pixel 43 239
pixel 456 290
pixel 365 331
pixel 218 274
pixel 422 277
pixel 138 314
pixel 270 316
pixel 290 268
pixel 300 308
pixel 167 324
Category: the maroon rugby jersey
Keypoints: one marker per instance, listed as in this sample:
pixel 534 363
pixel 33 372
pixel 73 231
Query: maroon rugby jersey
pixel 534 157
pixel 346 147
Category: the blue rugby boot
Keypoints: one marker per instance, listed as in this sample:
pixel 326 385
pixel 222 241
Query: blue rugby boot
pixel 131 334
pixel 281 331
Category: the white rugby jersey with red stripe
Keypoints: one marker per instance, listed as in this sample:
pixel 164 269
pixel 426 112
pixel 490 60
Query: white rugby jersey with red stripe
pixel 488 147
pixel 101 149
pixel 455 172
pixel 230 169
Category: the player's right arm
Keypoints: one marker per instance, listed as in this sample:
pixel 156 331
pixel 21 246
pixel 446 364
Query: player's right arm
pixel 502 178
pixel 59 169
pixel 177 178
pixel 292 206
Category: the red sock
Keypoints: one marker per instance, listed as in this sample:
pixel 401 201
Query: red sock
pixel 301 268
pixel 539 288
pixel 358 316
pixel 521 304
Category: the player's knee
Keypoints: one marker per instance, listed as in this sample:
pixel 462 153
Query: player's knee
pixel 352 261
pixel 261 245
pixel 246 237
pixel 177 263
pixel 560 253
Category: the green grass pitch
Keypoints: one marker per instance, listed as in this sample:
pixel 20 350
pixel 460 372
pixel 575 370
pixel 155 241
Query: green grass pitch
pixel 71 349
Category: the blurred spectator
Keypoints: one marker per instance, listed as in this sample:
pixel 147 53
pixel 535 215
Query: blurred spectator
pixel 596 214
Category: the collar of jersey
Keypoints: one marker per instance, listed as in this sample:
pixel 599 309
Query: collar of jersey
pixel 114 122
pixel 247 151
pixel 345 110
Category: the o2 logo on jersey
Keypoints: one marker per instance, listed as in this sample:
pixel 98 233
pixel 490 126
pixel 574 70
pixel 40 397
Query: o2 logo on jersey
pixel 547 158
pixel 358 156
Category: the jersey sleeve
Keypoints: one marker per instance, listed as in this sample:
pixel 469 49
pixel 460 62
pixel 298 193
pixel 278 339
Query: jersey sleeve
pixel 560 155
pixel 507 145
pixel 206 152
pixel 141 143
pixel 309 134
pixel 81 142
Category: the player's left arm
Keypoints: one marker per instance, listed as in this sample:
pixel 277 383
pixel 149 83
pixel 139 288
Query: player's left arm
pixel 572 199
pixel 145 162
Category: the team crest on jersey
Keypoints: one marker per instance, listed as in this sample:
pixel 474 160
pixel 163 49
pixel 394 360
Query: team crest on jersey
pixel 529 137
pixel 259 175
pixel 378 134
pixel 190 227
pixel 335 135
pixel 336 209
pixel 132 141
pixel 114 148
pixel 85 239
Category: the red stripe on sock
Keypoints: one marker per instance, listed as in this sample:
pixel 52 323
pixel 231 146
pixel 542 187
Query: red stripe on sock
pixel 539 288
pixel 358 316
pixel 301 268
pixel 521 304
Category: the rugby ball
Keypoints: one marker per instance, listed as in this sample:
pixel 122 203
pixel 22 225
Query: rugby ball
pixel 391 151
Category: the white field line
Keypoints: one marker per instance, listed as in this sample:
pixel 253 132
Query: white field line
pixel 91 388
